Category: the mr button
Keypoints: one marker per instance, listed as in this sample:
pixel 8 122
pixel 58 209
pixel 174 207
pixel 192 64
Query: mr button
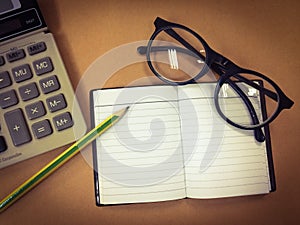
pixel 49 84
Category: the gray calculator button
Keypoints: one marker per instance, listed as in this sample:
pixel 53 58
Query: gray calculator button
pixel 17 127
pixel 42 129
pixel 63 121
pixel 15 55
pixel 43 66
pixel 5 80
pixel 35 110
pixel 2 61
pixel 3 145
pixel 8 98
pixel 49 84
pixel 21 73
pixel 29 91
pixel 56 103
pixel 36 48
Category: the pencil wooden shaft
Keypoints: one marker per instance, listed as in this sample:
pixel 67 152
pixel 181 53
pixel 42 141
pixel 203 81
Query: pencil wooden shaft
pixel 60 160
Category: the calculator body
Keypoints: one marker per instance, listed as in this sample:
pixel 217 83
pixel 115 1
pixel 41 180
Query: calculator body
pixel 39 110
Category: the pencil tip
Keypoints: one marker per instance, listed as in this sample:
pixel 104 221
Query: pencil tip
pixel 122 111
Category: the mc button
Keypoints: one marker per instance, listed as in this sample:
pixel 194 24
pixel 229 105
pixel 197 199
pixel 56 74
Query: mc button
pixel 43 66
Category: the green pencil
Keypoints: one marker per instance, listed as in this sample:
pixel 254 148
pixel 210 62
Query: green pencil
pixel 61 159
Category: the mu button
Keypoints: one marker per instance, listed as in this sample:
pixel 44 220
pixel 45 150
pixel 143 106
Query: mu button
pixel 22 73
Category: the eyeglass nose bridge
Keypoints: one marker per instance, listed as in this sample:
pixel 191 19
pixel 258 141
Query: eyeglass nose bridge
pixel 221 64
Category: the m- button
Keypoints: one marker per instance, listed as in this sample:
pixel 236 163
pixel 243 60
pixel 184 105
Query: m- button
pixel 43 66
pixel 56 103
pixel 15 55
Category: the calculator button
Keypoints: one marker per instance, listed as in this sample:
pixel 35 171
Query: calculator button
pixel 56 103
pixel 15 55
pixel 22 73
pixel 35 110
pixel 63 121
pixel 2 61
pixel 36 48
pixel 5 80
pixel 49 84
pixel 29 91
pixel 43 66
pixel 3 145
pixel 42 129
pixel 8 99
pixel 17 127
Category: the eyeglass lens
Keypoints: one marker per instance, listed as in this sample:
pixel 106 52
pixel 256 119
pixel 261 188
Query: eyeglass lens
pixel 173 61
pixel 260 93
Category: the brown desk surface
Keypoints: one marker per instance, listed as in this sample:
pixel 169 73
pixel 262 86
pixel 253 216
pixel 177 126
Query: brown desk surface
pixel 260 34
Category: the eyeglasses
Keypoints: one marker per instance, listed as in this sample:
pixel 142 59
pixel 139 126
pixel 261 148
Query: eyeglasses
pixel 177 55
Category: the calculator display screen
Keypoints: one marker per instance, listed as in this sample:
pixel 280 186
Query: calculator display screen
pixel 9 26
pixel 19 17
pixel 20 23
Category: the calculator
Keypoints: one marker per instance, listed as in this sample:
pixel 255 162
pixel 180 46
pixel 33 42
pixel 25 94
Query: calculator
pixel 39 111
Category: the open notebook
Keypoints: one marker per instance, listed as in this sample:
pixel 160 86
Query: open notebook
pixel 172 144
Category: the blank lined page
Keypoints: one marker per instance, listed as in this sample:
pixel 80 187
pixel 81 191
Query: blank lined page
pixel 140 158
pixel 223 161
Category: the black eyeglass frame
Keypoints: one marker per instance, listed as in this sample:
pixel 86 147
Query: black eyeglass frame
pixel 225 68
